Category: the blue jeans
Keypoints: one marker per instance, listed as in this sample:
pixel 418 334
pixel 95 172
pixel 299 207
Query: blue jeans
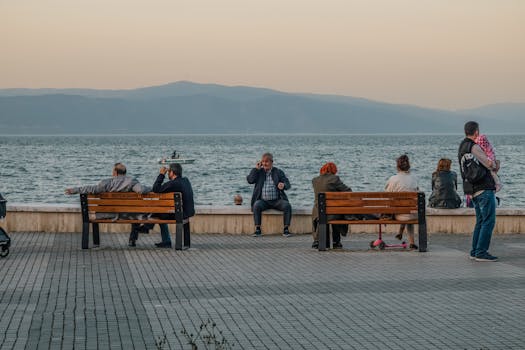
pixel 485 206
pixel 165 232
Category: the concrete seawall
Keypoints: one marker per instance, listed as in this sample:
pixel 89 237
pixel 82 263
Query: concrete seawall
pixel 239 220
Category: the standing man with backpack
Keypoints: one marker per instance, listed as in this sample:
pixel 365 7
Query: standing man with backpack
pixel 478 182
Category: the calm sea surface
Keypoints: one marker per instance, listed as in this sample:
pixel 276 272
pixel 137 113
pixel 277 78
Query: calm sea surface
pixel 39 168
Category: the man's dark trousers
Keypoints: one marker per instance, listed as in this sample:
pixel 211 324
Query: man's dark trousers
pixel 280 204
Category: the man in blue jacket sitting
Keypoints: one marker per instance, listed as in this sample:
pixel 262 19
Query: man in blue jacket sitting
pixel 268 193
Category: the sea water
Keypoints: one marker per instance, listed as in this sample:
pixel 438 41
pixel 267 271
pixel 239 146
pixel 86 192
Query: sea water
pixel 39 168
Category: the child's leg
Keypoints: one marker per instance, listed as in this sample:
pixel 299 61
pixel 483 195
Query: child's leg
pixel 495 176
pixel 410 231
pixel 401 230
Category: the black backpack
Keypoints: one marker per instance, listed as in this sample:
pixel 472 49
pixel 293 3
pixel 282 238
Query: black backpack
pixel 471 169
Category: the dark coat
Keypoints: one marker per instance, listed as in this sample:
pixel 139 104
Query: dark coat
pixel 179 184
pixel 444 187
pixel 326 183
pixel 258 176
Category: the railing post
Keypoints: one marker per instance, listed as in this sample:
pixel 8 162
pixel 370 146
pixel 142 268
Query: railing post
pixel 85 221
pixel 324 238
pixel 422 221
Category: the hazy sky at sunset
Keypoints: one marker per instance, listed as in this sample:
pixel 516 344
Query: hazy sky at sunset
pixel 442 53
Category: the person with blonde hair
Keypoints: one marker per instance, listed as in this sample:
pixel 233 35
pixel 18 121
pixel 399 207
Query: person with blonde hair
pixel 444 187
pixel 328 181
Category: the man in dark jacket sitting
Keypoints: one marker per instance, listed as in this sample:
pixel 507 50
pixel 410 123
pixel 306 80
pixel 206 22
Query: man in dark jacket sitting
pixel 177 183
pixel 268 192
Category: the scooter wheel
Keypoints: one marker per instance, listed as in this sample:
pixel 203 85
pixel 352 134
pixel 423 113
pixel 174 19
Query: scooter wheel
pixel 372 244
pixel 382 245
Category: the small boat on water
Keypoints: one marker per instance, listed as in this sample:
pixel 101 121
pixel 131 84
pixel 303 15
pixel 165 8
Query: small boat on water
pixel 175 158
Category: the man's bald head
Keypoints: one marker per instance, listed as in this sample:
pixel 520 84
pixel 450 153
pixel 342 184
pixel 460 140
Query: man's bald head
pixel 119 169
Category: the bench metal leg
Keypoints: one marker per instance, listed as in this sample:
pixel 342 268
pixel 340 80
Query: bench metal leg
pixel 85 235
pixel 422 222
pixel 324 237
pixel 179 230
pixel 96 235
pixel 187 233
pixel 422 231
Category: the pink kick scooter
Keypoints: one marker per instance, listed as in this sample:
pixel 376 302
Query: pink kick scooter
pixel 379 243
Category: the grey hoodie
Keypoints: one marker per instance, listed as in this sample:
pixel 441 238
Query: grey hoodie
pixel 120 183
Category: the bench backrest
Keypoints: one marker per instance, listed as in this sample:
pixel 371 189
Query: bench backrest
pixel 370 202
pixel 131 202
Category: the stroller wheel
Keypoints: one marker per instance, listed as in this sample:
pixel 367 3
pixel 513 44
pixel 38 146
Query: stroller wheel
pixel 382 245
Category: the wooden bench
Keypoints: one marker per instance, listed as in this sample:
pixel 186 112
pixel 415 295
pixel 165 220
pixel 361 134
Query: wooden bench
pixel 131 202
pixel 375 203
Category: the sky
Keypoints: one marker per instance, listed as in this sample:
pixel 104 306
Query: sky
pixel 449 54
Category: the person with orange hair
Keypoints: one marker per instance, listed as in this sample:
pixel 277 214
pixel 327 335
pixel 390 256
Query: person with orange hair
pixel 328 181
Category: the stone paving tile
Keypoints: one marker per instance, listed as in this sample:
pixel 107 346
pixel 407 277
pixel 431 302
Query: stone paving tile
pixel 267 293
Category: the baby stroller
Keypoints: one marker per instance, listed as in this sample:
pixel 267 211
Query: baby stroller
pixel 5 241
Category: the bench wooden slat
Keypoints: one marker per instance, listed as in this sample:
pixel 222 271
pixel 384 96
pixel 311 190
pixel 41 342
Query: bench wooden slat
pixel 370 210
pixel 132 221
pixel 130 195
pixel 126 209
pixel 369 195
pixel 131 202
pixel 371 202
pixel 367 222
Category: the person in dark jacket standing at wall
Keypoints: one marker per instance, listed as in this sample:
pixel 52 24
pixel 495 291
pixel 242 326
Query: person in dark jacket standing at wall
pixel 268 192
pixel 444 187
pixel 483 195
pixel 176 183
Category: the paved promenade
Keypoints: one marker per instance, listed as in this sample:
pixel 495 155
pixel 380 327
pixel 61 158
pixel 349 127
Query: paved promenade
pixel 266 293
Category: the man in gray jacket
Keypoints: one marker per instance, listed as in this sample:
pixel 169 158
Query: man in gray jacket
pixel 119 182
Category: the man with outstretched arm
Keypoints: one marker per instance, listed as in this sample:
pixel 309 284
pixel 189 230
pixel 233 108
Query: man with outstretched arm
pixel 119 182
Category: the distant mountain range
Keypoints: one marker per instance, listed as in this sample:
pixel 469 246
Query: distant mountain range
pixel 185 107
